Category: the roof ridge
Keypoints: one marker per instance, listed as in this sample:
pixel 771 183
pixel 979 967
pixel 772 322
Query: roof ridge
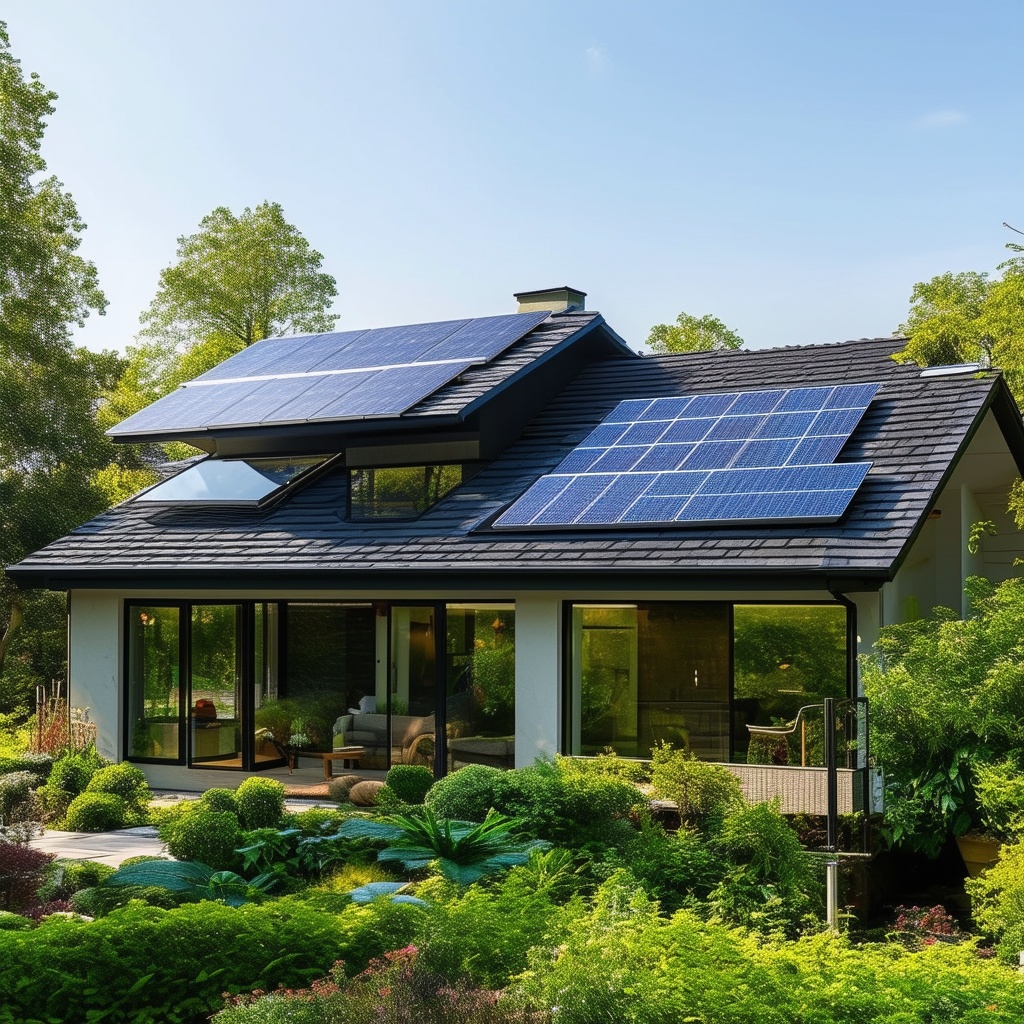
pixel 898 339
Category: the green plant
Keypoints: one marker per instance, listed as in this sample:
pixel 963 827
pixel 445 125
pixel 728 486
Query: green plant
pixel 66 877
pixel 71 772
pixel 465 851
pixel 702 790
pixel 609 763
pixel 209 837
pixel 12 922
pixel 16 796
pixel 465 795
pixel 38 765
pixel 997 901
pixel 198 881
pixel 22 870
pixel 999 791
pixel 126 781
pixel 96 812
pixel 260 802
pixel 410 782
pixel 220 800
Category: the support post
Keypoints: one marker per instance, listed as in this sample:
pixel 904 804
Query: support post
pixel 832 817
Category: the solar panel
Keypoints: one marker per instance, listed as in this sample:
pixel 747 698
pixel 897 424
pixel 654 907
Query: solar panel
pixel 721 458
pixel 332 376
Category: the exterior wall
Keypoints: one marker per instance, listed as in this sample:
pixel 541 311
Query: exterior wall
pixel 94 668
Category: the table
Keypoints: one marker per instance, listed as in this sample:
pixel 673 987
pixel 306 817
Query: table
pixel 349 757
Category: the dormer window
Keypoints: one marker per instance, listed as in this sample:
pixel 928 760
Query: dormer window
pixel 399 492
pixel 233 482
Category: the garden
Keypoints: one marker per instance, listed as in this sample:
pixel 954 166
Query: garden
pixel 562 891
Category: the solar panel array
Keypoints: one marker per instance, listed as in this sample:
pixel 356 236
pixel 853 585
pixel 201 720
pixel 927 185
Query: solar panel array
pixel 326 377
pixel 726 458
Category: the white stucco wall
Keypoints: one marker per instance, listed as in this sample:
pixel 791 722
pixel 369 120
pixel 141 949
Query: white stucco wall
pixel 94 668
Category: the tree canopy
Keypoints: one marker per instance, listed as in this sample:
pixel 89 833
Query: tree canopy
pixel 50 444
pixel 693 334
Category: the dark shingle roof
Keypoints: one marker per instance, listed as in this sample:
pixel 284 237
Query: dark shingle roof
pixel 911 433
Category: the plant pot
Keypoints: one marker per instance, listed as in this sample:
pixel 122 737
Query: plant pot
pixel 979 852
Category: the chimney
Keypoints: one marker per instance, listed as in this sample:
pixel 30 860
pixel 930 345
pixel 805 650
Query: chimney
pixel 558 300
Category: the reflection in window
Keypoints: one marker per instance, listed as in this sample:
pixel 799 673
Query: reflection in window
pixel 216 677
pixel 153 682
pixel 400 492
pixel 786 657
pixel 481 685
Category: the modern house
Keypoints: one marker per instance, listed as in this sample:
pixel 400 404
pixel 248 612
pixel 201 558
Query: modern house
pixel 487 540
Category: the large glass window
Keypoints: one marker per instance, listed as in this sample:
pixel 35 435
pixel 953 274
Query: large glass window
pixel 399 492
pixel 154 681
pixel 216 684
pixel 231 481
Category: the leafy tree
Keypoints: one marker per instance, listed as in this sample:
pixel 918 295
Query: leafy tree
pixel 693 334
pixel 50 444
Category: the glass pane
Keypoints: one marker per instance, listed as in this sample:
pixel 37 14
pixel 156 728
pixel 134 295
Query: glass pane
pixel 412 697
pixel 216 679
pixel 400 492
pixel 650 673
pixel 231 481
pixel 265 680
pixel 153 682
pixel 786 657
pixel 481 685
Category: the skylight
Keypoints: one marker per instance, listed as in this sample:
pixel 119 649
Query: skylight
pixel 243 482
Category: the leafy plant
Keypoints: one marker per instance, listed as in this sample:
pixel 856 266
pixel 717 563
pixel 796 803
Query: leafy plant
pixel 219 800
pixel 997 901
pixel 701 790
pixel 209 837
pixel 465 851
pixel 16 796
pixel 96 812
pixel 260 802
pixel 22 869
pixel 126 781
pixel 196 880
pixel 66 877
pixel 410 782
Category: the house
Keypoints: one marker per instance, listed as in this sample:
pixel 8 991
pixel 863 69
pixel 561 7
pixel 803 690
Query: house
pixel 486 540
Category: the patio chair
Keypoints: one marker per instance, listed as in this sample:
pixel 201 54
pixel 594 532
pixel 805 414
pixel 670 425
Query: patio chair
pixel 788 730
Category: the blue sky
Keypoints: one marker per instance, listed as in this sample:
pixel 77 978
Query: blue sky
pixel 791 167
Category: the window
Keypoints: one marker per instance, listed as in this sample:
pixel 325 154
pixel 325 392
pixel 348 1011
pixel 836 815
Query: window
pixel 399 492
pixel 214 481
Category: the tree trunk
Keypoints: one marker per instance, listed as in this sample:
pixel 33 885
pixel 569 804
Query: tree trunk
pixel 17 617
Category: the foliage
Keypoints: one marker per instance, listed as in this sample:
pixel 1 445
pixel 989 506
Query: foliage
pixel 198 881
pixel 22 869
pixel 947 696
pixel 219 800
pixel 96 812
pixel 465 851
pixel 999 791
pixel 260 802
pixel 15 796
pixel 997 901
pixel 702 790
pixel 72 771
pixel 12 922
pixel 37 765
pixel 410 782
pixel 49 440
pixel 66 877
pixel 609 763
pixel 127 781
pixel 142 964
pixel 101 900
pixel 209 837
pixel 693 334
pixel 465 795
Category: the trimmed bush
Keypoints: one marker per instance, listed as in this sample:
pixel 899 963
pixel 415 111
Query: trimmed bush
pixel 96 812
pixel 71 772
pixel 67 877
pixel 465 795
pixel 70 970
pixel 38 765
pixel 260 802
pixel 52 804
pixel 16 796
pixel 209 837
pixel 126 781
pixel 100 900
pixel 410 782
pixel 11 922
pixel 219 800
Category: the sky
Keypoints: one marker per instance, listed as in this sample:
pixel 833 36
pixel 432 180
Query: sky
pixel 790 167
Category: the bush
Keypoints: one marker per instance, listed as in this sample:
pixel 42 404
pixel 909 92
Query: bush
pixel 16 796
pixel 219 800
pixel 209 837
pixel 100 900
pixel 38 765
pixel 997 901
pixel 410 782
pixel 96 812
pixel 260 802
pixel 11 922
pixel 609 763
pixel 465 795
pixel 126 781
pixel 143 964
pixel 22 870
pixel 52 804
pixel 66 877
pixel 71 772
pixel 703 791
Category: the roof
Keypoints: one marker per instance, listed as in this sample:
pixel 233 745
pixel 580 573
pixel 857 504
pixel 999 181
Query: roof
pixel 912 433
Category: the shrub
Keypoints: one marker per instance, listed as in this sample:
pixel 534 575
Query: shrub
pixel 702 790
pixel 126 781
pixel 11 922
pixel 38 765
pixel 70 970
pixel 260 802
pixel 52 804
pixel 410 782
pixel 210 837
pixel 100 900
pixel 318 820
pixel 997 901
pixel 67 877
pixel 16 796
pixel 22 870
pixel 71 772
pixel 96 812
pixel 465 795
pixel 219 800
pixel 609 763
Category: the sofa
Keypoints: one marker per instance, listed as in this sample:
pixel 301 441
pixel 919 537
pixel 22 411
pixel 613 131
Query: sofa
pixel 412 738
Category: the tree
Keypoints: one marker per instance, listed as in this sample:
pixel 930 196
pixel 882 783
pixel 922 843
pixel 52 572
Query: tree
pixel 244 278
pixel 50 444
pixel 693 334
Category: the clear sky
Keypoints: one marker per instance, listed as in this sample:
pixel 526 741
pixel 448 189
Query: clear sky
pixel 791 167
